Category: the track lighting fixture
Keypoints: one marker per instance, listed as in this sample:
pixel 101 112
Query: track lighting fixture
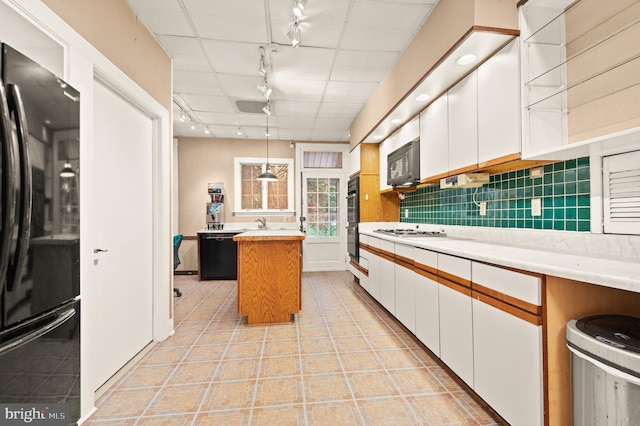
pixel 294 34
pixel 265 89
pixel 262 64
pixel 267 109
pixel 298 8
pixel 267 176
pixel 193 125
pixel 207 131
pixel 182 115
pixel 239 132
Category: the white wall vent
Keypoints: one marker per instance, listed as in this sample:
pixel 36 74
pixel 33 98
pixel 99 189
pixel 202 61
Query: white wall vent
pixel 621 182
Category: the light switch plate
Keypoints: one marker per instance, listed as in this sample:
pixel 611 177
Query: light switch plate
pixel 483 208
pixel 406 213
pixel 536 207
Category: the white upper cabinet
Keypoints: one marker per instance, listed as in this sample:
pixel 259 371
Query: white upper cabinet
pixel 434 139
pixel 499 105
pixel 411 130
pixel 354 161
pixel 463 123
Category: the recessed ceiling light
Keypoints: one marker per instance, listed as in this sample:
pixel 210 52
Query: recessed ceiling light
pixel 423 97
pixel 396 121
pixel 466 59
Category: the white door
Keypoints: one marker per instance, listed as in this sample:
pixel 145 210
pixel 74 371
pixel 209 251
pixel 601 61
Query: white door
pixel 121 311
pixel 324 207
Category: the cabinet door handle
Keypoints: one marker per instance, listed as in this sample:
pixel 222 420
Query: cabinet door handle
pixel 100 250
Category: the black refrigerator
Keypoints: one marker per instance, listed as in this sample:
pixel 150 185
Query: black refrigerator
pixel 39 243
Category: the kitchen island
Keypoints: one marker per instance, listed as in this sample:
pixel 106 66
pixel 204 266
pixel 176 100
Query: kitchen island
pixel 269 275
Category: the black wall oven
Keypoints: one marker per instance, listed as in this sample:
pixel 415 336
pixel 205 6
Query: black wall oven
pixel 353 216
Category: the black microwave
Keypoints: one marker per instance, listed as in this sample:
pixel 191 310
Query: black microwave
pixel 403 165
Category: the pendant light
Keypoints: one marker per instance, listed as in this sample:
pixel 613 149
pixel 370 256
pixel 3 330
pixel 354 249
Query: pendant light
pixel 267 176
pixel 67 171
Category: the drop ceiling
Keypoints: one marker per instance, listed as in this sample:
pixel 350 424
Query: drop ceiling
pixel 347 47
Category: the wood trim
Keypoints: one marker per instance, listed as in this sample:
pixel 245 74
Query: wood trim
pixel 466 169
pixel 354 264
pixel 454 278
pixel 404 261
pixel 520 271
pixel 509 309
pixel 545 358
pixel 509 300
pixel 426 268
pixel 455 286
pixel 190 237
pixel 185 272
pixel 434 178
pixel 354 175
pixel 426 274
pixel 500 160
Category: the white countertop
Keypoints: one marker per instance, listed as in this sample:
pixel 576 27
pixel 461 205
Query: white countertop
pixel 620 274
pixel 272 233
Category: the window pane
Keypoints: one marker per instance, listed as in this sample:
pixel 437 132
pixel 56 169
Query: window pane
pixel 251 188
pixel 322 160
pixel 323 207
pixel 277 192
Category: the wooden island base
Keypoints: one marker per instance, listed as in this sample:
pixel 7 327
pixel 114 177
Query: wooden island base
pixel 269 275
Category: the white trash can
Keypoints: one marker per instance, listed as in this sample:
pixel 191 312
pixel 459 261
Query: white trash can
pixel 606 370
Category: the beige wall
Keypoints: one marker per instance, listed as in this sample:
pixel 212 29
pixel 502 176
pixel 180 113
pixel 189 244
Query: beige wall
pixel 448 24
pixel 113 29
pixel 205 160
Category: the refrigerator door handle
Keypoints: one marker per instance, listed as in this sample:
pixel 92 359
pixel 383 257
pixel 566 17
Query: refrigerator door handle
pixel 39 332
pixel 8 185
pixel 14 276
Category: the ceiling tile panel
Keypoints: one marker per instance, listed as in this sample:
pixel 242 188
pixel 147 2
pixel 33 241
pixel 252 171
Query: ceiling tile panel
pixel 203 83
pixel 164 17
pixel 338 110
pixel 241 86
pixel 332 123
pixel 297 109
pixel 298 90
pixel 229 20
pixel 208 103
pixel 185 52
pixel 303 63
pixel 342 91
pixel 362 66
pixel 233 58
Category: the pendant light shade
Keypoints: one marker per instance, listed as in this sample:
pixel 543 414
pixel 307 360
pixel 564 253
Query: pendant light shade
pixel 67 171
pixel 267 176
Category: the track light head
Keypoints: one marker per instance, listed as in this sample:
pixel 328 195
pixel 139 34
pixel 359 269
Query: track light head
pixel 298 8
pixel 294 34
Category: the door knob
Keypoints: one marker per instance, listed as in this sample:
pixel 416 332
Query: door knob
pixel 100 250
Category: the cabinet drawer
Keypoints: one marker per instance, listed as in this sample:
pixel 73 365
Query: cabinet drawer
pixel 405 251
pixel 388 246
pixel 455 268
pixel 515 284
pixel 374 242
pixel 426 258
pixel 364 262
pixel 364 239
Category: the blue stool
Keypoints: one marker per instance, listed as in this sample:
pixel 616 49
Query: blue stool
pixel 177 240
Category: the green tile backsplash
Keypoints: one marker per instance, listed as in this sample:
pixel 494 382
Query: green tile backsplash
pixel 564 190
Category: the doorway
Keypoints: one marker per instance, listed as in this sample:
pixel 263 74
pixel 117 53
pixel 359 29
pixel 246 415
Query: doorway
pixel 322 204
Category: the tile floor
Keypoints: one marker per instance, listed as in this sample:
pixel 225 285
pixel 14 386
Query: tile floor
pixel 343 361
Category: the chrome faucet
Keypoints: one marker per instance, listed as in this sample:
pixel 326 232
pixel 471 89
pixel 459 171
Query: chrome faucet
pixel 262 224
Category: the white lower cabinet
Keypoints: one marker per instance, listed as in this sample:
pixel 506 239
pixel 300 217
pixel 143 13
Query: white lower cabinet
pixel 387 285
pixel 507 348
pixel 427 313
pixel 364 264
pixel 426 299
pixel 508 364
pixel 456 328
pixel 456 332
pixel 373 280
pixel 405 286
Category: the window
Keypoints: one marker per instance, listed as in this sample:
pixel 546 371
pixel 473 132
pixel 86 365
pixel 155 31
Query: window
pixel 253 197
pixel 323 196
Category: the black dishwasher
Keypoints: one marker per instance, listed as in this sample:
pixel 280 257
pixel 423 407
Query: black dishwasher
pixel 218 256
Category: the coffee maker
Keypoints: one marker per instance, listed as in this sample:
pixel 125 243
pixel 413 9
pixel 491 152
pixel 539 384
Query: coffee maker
pixel 215 208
